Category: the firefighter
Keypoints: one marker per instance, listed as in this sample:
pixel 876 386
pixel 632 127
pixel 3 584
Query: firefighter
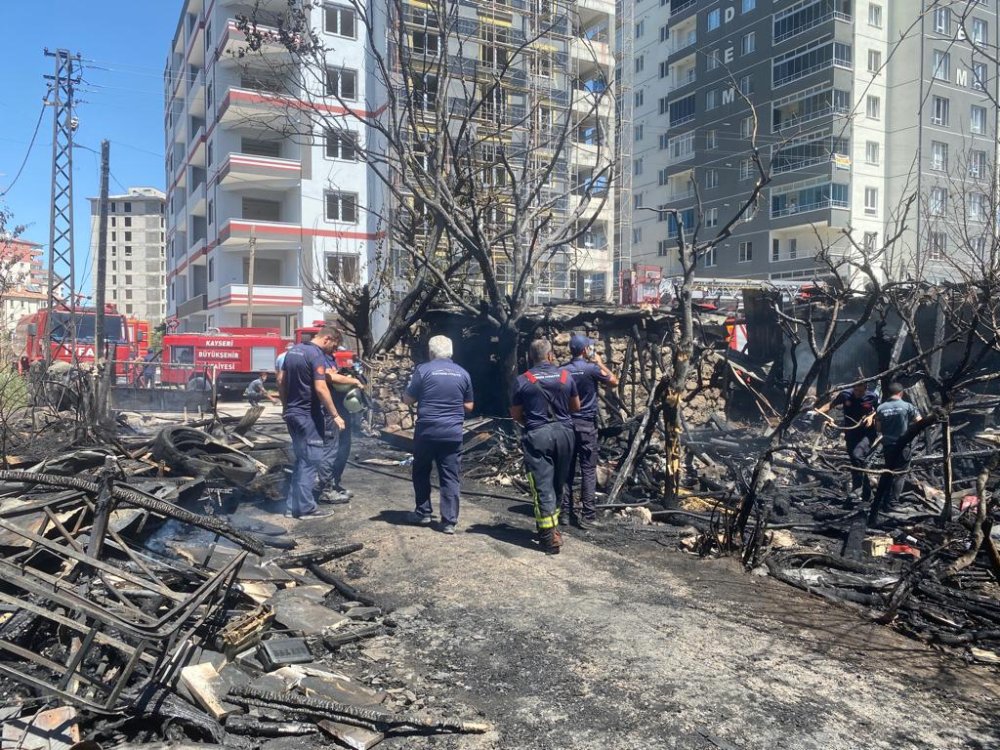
pixel 893 418
pixel 588 373
pixel 304 395
pixel 442 393
pixel 544 399
pixel 336 443
pixel 858 405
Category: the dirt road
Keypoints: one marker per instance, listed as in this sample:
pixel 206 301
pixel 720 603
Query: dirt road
pixel 620 642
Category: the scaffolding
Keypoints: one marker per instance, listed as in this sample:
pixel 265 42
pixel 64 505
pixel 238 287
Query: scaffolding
pixel 624 137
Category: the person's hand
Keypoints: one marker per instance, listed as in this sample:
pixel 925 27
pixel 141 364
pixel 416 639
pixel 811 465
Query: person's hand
pixel 357 383
pixel 339 421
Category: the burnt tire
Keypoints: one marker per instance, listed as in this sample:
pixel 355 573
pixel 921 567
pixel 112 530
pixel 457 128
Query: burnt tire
pixel 196 453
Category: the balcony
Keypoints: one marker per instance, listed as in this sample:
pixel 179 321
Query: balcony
pixel 591 50
pixel 793 209
pixel 588 103
pixel 234 46
pixel 196 202
pixel 264 296
pixel 235 234
pixel 249 172
pixel 585 154
pixel 195 305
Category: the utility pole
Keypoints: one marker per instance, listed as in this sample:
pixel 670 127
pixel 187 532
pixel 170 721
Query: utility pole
pixel 102 254
pixel 62 275
pixel 253 262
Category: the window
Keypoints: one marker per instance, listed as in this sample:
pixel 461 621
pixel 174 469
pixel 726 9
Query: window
pixel 664 69
pixel 211 211
pixel 711 100
pixel 342 207
pixel 873 107
pixel 114 236
pixel 638 97
pixel 342 268
pixel 662 177
pixel 938 203
pixel 942 21
pixel 714 19
pixel 710 257
pixel 427 43
pixel 128 207
pixel 640 27
pixel 746 127
pixel 637 235
pixel 711 178
pixel 980 31
pixel 749 5
pixel 342 83
pixel 793 248
pixel 942 65
pixel 980 76
pixel 977 119
pixel 662 248
pixel 746 252
pixel 338 20
pixel 211 269
pixel 871 201
pixel 746 85
pixel 128 220
pixel 939 156
pixel 872 152
pixel 664 33
pixel 976 207
pixel 113 209
pixel 711 139
pixel 128 251
pixel 746 169
pixel 638 132
pixel 210 154
pixel 875 15
pixel 341 144
pixel 712 218
pixel 938 242
pixel 775 251
pixel 977 164
pixel 749 43
pixel 636 200
pixel 424 91
pixel 640 63
pixel 940 111
pixel 874 61
pixel 663 141
pixel 714 60
pixel 870 241
pixel 637 166
pixel 128 236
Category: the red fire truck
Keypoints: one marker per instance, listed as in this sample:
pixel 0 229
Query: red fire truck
pixel 138 336
pixel 233 356
pixel 30 336
pixel 343 358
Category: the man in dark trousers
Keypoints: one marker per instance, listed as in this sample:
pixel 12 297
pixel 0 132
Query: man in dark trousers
pixel 336 443
pixel 442 392
pixel 304 395
pixel 588 373
pixel 858 405
pixel 544 398
pixel 893 418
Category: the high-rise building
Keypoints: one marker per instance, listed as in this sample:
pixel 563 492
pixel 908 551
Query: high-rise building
pixel 23 283
pixel 241 187
pixel 247 181
pixel 857 106
pixel 134 279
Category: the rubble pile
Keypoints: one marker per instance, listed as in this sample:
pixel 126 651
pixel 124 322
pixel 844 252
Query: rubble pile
pixel 138 606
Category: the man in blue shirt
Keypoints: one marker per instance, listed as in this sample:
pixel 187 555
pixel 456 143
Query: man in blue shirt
pixel 588 373
pixel 544 398
pixel 858 404
pixel 328 488
pixel 893 418
pixel 442 392
pixel 304 395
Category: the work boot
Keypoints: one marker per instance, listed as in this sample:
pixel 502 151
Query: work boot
pixel 343 490
pixel 551 541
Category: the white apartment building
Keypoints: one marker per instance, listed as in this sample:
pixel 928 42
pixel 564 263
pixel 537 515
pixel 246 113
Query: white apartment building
pixel 135 275
pixel 241 186
pixel 850 122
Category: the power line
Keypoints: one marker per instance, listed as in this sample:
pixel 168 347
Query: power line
pixel 28 153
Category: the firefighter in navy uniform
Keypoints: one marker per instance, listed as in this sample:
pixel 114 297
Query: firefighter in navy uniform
pixel 858 404
pixel 544 399
pixel 588 373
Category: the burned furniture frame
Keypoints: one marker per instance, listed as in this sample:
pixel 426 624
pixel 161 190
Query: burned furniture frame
pixel 120 619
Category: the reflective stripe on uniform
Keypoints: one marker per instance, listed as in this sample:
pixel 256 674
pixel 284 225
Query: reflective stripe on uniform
pixel 541 522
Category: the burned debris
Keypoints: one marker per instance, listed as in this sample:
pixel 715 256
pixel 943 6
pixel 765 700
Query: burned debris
pixel 142 601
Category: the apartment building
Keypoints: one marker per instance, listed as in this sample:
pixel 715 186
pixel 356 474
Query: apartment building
pixel 849 120
pixel 23 284
pixel 242 187
pixel 135 275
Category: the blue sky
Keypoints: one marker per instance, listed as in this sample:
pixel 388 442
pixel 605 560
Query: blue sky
pixel 124 44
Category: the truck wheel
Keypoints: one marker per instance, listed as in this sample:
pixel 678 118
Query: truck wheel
pixel 196 453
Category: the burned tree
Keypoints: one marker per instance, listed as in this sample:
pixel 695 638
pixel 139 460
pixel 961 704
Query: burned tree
pixel 491 146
